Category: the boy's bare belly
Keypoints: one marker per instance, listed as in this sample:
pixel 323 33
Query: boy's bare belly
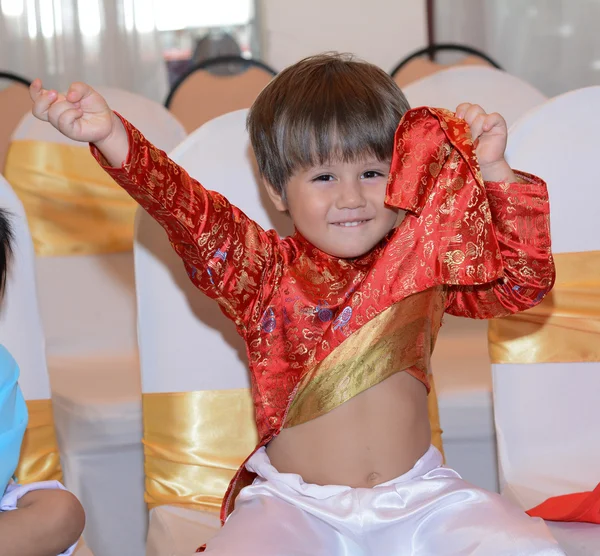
pixel 372 438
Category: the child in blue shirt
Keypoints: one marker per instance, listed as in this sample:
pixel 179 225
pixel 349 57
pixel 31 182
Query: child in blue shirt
pixel 39 519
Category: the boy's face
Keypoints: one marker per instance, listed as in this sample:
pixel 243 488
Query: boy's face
pixel 339 207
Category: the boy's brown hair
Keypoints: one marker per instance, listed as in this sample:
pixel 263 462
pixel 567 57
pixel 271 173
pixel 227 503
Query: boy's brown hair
pixel 323 108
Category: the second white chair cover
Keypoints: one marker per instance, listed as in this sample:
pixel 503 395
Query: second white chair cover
pixel 546 414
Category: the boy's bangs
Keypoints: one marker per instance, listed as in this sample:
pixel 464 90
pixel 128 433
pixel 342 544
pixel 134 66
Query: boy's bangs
pixel 327 134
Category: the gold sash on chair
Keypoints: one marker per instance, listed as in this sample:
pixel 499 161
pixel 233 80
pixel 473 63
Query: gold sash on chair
pixel 40 460
pixel 73 207
pixel 565 327
pixel 186 461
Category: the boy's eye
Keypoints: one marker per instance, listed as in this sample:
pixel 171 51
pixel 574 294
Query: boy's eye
pixel 369 174
pixel 323 177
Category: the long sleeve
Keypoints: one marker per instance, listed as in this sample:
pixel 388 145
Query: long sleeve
pixel 520 215
pixel 487 243
pixel 226 254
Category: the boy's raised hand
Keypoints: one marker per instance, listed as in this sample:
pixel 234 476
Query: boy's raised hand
pixel 82 114
pixel 489 133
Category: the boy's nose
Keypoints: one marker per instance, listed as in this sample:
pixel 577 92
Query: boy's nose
pixel 350 195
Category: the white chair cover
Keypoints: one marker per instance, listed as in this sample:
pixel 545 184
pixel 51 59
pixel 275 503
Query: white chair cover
pixel 20 322
pixel 88 311
pixel 546 414
pixel 494 90
pixel 186 343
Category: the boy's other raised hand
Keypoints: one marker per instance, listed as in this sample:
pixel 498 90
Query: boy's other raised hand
pixel 489 133
pixel 82 114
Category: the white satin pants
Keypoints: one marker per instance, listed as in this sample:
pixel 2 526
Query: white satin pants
pixel 429 511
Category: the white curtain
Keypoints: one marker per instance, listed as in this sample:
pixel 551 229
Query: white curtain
pixel 552 44
pixel 102 42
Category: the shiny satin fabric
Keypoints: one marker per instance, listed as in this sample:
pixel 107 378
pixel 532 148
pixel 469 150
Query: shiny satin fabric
pixel 72 206
pixel 187 461
pixel 564 327
pixel 427 511
pixel 40 459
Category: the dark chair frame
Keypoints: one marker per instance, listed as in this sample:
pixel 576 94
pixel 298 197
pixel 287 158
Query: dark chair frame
pixel 205 64
pixel 432 50
pixel 14 77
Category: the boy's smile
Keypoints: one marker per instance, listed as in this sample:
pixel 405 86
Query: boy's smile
pixel 339 207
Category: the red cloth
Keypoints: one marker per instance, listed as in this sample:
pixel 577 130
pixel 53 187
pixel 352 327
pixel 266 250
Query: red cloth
pixel 582 507
pixel 486 248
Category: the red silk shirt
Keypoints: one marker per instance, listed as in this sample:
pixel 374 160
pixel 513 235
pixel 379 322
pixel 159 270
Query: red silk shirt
pixel 468 248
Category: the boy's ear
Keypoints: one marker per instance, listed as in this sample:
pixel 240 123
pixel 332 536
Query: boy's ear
pixel 275 196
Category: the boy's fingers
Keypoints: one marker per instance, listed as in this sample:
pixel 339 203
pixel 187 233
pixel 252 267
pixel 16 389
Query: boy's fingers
pixel 493 120
pixel 477 126
pixel 57 109
pixel 461 109
pixel 68 117
pixel 42 104
pixel 485 123
pixel 35 89
pixel 473 113
pixel 78 91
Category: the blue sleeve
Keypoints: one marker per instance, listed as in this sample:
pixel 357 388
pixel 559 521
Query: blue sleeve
pixel 13 417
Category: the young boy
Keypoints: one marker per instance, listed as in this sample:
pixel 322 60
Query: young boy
pixel 332 314
pixel 40 519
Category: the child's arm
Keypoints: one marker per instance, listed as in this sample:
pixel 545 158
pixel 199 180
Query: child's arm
pixel 227 255
pixel 520 215
pixel 45 523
